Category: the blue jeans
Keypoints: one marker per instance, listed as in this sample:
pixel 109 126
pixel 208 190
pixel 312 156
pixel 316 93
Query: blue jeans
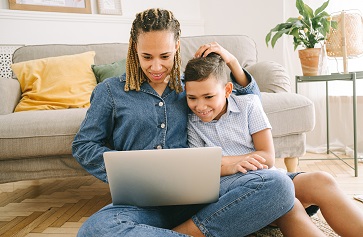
pixel 247 203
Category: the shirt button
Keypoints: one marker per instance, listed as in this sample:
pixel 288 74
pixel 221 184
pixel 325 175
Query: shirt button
pixel 161 103
pixel 159 147
pixel 162 125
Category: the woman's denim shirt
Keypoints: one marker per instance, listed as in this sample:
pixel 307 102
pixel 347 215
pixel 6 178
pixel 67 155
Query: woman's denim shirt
pixel 133 120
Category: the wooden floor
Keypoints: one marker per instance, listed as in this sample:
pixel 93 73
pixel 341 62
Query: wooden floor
pixel 58 207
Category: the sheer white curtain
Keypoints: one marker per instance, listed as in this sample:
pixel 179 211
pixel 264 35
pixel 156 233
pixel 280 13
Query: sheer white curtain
pixel 340 99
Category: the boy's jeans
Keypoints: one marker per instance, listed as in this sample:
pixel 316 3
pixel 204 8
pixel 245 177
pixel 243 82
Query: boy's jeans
pixel 247 203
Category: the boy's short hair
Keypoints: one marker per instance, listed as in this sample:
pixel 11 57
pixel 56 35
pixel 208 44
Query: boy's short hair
pixel 198 69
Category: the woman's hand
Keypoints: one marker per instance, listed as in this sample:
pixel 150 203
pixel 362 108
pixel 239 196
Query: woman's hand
pixel 233 164
pixel 206 49
pixel 229 58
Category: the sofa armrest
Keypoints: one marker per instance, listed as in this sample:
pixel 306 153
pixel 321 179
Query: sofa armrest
pixel 270 77
pixel 10 94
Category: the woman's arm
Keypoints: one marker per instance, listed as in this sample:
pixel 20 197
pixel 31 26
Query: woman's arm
pixel 91 140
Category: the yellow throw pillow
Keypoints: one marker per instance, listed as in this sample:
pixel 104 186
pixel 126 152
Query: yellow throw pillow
pixel 56 83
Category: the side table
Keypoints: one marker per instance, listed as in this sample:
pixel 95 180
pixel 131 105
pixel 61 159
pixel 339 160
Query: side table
pixel 352 77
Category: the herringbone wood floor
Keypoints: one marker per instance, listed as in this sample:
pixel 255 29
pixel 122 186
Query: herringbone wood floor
pixel 58 207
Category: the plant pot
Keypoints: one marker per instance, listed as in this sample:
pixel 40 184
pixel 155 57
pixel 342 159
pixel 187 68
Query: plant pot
pixel 309 59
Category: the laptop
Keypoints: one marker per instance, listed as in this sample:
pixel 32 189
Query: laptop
pixel 164 177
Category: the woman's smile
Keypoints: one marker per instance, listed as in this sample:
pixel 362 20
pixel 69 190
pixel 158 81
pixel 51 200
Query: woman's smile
pixel 156 76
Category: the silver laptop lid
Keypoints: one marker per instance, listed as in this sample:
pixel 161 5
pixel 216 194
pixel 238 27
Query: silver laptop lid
pixel 164 177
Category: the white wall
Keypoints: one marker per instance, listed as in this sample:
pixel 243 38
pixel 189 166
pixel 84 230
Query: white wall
pixel 33 27
pixel 252 18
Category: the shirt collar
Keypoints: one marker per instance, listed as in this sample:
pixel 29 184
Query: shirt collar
pixel 232 105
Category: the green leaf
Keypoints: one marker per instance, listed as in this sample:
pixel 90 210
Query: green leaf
pixel 278 36
pixel 321 8
pixel 300 6
pixel 298 24
pixel 295 33
pixel 292 19
pixel 283 26
pixel 297 42
pixel 316 23
pixel 334 24
pixel 268 38
pixel 322 14
pixel 308 11
pixel 326 27
pixel 278 28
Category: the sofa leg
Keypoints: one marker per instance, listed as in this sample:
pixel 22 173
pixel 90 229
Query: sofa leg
pixel 291 163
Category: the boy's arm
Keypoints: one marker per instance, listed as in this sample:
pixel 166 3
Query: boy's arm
pixel 260 131
pixel 262 158
pixel 264 146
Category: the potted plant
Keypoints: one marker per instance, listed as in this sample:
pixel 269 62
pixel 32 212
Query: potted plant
pixel 308 30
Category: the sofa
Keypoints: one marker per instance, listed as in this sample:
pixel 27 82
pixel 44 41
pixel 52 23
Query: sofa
pixel 36 144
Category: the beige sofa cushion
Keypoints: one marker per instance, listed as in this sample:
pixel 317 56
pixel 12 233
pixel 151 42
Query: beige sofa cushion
pixel 288 113
pixel 39 133
pixel 270 77
pixel 10 94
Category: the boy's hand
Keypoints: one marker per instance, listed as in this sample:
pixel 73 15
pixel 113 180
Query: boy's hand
pixel 231 165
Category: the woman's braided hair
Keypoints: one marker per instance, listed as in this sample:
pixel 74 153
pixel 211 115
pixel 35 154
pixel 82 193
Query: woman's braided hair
pixel 147 21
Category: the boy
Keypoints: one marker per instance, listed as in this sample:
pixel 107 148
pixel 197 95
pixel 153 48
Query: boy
pixel 239 125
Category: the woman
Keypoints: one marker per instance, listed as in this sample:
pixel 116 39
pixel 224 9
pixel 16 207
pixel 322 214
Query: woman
pixel 147 109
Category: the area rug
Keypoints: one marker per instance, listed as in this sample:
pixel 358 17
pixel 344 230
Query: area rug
pixel 275 232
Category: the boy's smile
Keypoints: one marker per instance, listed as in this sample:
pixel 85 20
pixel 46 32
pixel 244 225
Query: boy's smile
pixel 207 98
